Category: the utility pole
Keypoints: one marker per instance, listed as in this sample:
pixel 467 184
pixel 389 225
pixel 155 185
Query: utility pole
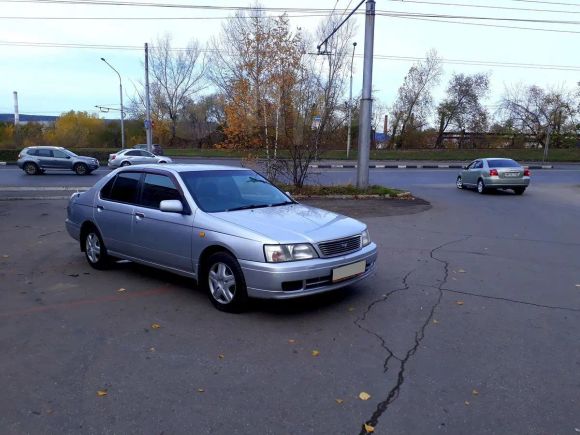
pixel 16 114
pixel 121 97
pixel 148 102
pixel 350 103
pixel 364 135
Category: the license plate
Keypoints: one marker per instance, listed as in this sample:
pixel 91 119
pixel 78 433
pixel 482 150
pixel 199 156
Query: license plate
pixel 512 174
pixel 348 271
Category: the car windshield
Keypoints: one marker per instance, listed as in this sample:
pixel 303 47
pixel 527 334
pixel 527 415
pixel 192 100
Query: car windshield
pixel 502 163
pixel 230 190
pixel 70 153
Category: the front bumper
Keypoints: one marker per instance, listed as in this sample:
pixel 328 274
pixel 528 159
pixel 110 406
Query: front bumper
pixel 302 278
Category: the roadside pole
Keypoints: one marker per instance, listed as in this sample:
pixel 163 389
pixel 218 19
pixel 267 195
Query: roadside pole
pixel 148 102
pixel 546 148
pixel 350 103
pixel 364 137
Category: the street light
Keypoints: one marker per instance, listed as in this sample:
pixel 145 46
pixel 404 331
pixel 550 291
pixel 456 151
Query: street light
pixel 121 96
pixel 350 103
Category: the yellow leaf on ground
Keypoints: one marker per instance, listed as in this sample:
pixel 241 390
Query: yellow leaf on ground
pixel 291 341
pixel 155 326
pixel 350 308
pixel 466 403
pixel 435 321
pixel 339 401
pixel 152 349
pixel 459 302
pixel 200 390
pixel 369 428
pixel 315 352
pixel 475 392
pixel 460 271
pixel 101 393
pixel 121 289
pixel 221 356
pixel 364 396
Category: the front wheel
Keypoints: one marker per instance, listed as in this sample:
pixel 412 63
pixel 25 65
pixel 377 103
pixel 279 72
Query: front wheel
pixel 481 186
pixel 81 169
pixel 30 168
pixel 459 182
pixel 95 250
pixel 519 190
pixel 225 283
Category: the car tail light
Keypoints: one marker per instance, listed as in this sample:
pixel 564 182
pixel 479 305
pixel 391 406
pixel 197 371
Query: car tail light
pixel 493 173
pixel 113 156
pixel 527 173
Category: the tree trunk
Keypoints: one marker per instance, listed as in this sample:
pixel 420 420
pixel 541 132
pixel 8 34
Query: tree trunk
pixel 439 142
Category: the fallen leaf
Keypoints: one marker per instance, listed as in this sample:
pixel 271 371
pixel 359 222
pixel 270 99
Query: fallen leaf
pixel 364 396
pixel 369 428
pixel 577 285
pixel 459 302
pixel 435 321
pixel 121 289
pixel 339 401
pixel 291 341
pixel 152 349
pixel 475 392
pixel 576 429
pixel 315 352
pixel 200 390
pixel 461 271
pixel 155 326
pixel 101 393
pixel 221 356
pixel 453 278
pixel 5 256
pixel 350 308
pixel 466 403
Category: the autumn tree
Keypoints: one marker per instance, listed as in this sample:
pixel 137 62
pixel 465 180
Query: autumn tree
pixel 414 101
pixel 538 112
pixel 76 129
pixel 462 108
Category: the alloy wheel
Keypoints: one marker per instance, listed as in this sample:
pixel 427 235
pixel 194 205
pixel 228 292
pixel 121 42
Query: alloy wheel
pixel 93 248
pixel 222 283
pixel 459 183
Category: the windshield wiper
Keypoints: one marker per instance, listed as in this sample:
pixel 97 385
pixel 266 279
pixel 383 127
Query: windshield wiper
pixel 246 207
pixel 281 203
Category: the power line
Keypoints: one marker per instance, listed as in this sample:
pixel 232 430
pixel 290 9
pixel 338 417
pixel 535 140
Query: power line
pixel 487 6
pixel 548 3
pixel 147 18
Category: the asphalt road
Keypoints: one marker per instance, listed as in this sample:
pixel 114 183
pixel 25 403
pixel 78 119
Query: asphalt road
pixel 470 326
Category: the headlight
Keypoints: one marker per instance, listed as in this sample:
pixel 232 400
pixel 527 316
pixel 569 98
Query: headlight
pixel 365 238
pixel 281 253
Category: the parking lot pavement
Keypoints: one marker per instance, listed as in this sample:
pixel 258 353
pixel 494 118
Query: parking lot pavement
pixel 470 326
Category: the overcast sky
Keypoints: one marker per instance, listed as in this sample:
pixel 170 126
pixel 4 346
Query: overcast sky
pixel 53 80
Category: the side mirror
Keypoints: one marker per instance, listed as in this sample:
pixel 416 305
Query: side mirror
pixel 171 206
pixel 68 157
pixel 465 167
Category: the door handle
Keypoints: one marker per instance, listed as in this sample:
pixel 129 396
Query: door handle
pixel 100 208
pixel 139 215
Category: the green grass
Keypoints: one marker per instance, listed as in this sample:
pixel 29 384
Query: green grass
pixel 345 189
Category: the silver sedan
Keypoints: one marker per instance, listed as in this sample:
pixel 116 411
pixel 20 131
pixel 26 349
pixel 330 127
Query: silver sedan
pixel 135 157
pixel 494 173
pixel 238 235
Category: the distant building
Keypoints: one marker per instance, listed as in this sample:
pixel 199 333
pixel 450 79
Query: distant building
pixel 25 119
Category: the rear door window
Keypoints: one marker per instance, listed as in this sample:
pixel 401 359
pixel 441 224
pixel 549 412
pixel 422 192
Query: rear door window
pixel 157 188
pixel 44 153
pixel 125 188
pixel 32 152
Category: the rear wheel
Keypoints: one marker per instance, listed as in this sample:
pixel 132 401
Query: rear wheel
pixel 125 164
pixel 225 283
pixel 81 169
pixel 31 168
pixel 459 182
pixel 519 190
pixel 481 186
pixel 95 250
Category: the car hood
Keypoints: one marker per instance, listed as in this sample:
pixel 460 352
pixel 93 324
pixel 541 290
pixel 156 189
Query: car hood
pixel 86 159
pixel 294 223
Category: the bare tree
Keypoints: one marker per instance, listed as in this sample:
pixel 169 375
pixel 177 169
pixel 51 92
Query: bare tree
pixel 462 107
pixel 178 75
pixel 536 111
pixel 414 101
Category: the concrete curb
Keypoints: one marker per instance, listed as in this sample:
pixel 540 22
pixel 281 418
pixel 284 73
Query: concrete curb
pixel 323 166
pixel 2 163
pixel 402 195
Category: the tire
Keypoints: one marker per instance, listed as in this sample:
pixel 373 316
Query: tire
pixel 459 182
pixel 95 251
pixel 223 270
pixel 481 186
pixel 31 168
pixel 125 164
pixel 519 190
pixel 162 162
pixel 81 169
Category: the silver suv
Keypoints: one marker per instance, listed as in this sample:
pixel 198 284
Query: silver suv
pixel 36 160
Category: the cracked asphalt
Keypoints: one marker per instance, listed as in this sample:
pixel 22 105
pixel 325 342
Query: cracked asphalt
pixel 470 326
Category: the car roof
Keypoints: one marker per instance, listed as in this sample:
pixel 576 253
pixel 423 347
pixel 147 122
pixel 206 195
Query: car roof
pixel 187 167
pixel 46 146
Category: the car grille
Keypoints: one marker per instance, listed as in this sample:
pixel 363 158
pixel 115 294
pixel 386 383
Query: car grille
pixel 339 247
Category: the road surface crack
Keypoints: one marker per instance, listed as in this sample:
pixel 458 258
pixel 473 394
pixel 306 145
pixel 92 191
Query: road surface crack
pixel 393 393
